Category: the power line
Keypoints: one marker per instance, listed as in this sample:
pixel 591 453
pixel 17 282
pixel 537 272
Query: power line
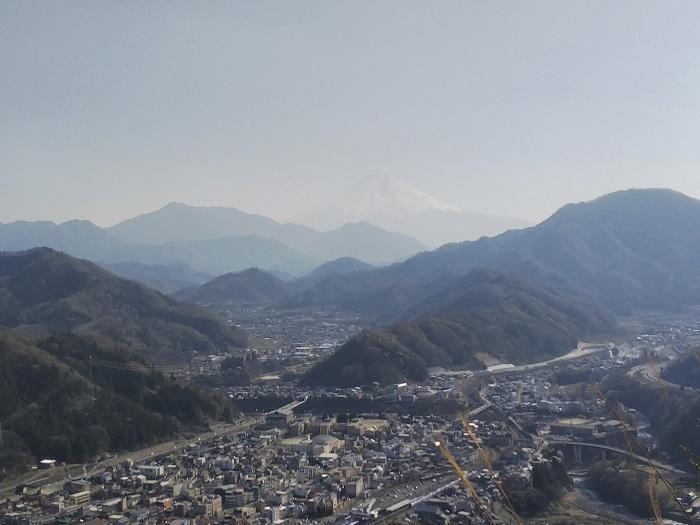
pixel 132 366
pixel 101 363
pixel 24 410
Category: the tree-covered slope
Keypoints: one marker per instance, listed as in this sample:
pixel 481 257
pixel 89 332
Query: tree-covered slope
pixel 684 371
pixel 44 292
pixel 507 317
pixel 252 286
pixel 342 265
pixel 53 407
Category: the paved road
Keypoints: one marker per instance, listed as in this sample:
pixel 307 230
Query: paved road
pixel 651 373
pixel 478 410
pixel 584 350
pixel 640 458
pixel 290 406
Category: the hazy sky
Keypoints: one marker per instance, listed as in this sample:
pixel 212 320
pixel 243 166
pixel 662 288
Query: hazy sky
pixel 108 109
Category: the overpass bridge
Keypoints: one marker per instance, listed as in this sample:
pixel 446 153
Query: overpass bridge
pixel 289 407
pixel 578 446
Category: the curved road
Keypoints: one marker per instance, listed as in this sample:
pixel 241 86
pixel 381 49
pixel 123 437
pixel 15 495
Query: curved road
pixel 651 373
pixel 641 459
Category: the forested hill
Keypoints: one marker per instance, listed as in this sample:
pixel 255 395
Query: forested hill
pixel 507 317
pixel 250 286
pixel 257 286
pixel 343 265
pixel 46 292
pixel 684 371
pixel 52 409
pixel 56 312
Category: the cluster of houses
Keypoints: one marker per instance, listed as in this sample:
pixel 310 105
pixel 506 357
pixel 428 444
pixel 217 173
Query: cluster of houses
pixel 289 469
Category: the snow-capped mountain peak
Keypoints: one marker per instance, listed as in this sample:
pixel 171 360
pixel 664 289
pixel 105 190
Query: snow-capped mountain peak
pixel 385 195
pixel 395 206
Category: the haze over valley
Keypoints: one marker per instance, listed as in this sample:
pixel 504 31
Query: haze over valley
pixel 361 263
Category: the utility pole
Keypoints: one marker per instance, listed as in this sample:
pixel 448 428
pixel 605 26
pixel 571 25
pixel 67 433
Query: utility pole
pixel 94 386
pixel 1 441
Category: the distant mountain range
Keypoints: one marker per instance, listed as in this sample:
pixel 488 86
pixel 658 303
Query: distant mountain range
pixel 191 241
pixel 211 256
pixel 533 291
pixel 173 247
pixel 166 278
pixel 179 223
pixel 395 206
pixel 629 250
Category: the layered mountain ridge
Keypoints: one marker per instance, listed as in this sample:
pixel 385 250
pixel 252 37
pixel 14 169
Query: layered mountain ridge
pixel 628 250
pixel 180 223
pixel 44 292
pixel 534 290
pixel 631 249
pixel 197 240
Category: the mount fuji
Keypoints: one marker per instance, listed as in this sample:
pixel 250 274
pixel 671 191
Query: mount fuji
pixel 395 206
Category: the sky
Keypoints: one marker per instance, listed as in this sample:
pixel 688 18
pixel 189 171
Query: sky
pixel 110 109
